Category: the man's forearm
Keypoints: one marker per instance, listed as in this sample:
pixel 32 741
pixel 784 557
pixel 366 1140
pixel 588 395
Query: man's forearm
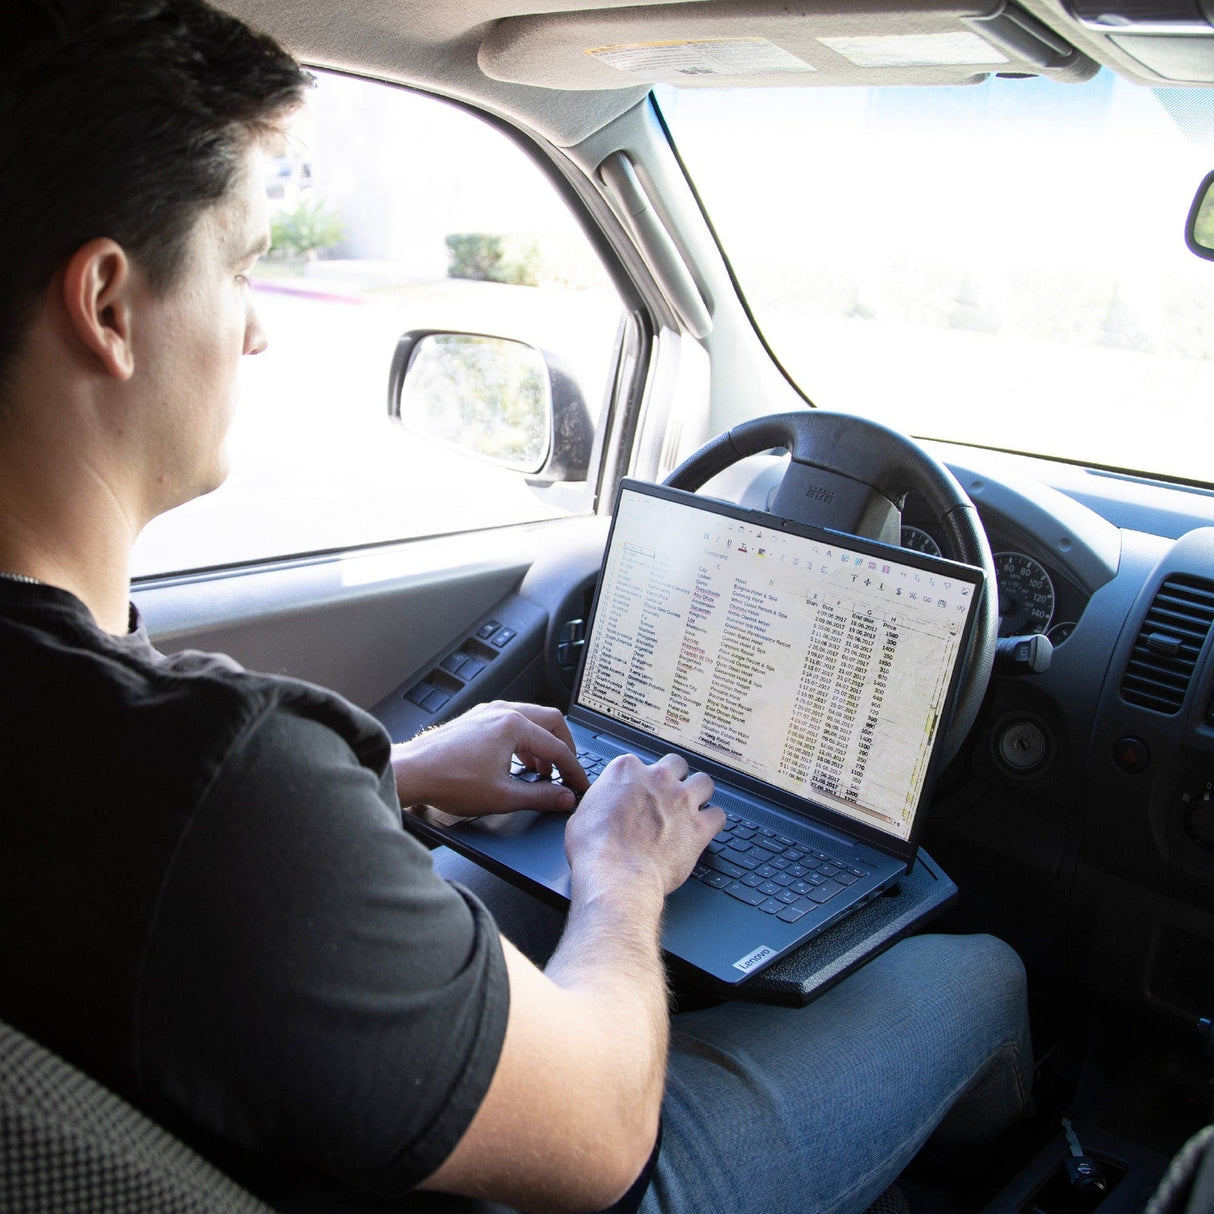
pixel 610 955
pixel 585 1048
pixel 583 1065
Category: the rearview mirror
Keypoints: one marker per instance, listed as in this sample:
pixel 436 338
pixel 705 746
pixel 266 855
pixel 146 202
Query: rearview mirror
pixel 1199 230
pixel 493 398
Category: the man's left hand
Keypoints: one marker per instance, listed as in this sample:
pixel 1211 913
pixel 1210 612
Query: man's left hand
pixel 463 767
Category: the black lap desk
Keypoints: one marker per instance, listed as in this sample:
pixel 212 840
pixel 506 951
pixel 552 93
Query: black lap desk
pixel 816 966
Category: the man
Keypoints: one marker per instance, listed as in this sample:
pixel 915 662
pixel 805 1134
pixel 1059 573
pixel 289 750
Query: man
pixel 208 901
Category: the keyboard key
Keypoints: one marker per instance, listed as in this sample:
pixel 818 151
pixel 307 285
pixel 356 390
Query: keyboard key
pixel 723 866
pixel 751 897
pixel 790 914
pixel 740 859
pixel 771 906
pixel 826 891
pixel 715 879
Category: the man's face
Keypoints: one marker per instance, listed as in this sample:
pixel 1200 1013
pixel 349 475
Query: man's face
pixel 190 345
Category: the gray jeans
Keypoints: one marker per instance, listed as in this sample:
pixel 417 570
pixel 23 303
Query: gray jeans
pixel 818 1109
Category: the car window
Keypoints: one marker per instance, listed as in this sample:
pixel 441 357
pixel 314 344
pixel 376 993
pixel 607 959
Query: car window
pixel 390 212
pixel 1000 264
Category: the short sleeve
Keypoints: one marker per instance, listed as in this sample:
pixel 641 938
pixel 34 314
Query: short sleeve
pixel 313 991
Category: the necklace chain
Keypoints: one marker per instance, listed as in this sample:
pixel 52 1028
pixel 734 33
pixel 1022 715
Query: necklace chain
pixel 20 577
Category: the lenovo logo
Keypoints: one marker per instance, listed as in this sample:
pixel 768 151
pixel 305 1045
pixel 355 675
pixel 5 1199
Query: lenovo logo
pixel 746 964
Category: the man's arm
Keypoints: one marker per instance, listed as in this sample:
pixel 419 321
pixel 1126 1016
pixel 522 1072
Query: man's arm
pixel 571 1115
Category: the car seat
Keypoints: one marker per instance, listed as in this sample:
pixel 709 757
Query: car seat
pixel 68 1144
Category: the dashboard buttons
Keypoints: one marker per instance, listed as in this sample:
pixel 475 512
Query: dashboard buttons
pixel 1131 755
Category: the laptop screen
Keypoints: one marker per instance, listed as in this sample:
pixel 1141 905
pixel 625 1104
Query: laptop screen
pixel 815 662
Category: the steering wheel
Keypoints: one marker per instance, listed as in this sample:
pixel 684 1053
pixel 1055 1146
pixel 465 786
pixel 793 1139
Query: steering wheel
pixel 853 475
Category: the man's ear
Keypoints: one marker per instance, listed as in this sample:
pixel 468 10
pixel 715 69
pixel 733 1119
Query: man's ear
pixel 97 293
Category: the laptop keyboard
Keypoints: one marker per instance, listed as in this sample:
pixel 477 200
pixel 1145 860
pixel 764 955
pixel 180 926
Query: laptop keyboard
pixel 753 863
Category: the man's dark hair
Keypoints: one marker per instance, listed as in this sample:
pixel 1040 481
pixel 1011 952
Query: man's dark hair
pixel 126 119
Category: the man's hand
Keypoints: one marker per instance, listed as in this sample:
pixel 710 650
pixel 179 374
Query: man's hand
pixel 642 824
pixel 463 767
pixel 571 1115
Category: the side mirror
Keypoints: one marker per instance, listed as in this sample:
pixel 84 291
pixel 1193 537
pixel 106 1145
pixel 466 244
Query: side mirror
pixel 1199 230
pixel 492 398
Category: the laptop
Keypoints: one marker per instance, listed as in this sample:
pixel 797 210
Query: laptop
pixel 810 673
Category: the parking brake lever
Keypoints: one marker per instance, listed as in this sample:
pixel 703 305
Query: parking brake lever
pixel 1023 654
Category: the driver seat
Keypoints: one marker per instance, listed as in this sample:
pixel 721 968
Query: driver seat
pixel 68 1144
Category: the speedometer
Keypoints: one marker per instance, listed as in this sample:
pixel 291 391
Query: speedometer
pixel 1026 594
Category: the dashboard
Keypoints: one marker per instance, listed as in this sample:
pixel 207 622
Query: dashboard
pixel 1078 820
pixel 1035 595
pixel 1081 820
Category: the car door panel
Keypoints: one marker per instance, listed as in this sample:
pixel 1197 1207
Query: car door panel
pixel 361 624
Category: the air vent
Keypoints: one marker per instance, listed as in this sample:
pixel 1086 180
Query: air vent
pixel 1168 645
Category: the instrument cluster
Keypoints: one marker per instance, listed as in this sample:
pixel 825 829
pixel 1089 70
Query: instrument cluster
pixel 1032 597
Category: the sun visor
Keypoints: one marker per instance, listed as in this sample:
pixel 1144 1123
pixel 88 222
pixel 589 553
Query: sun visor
pixel 1172 39
pixel 718 44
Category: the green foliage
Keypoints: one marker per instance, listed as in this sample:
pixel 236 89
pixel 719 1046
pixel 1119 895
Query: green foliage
pixel 305 230
pixel 486 396
pixel 488 257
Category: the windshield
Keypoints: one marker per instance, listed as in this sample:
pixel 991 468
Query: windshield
pixel 1001 264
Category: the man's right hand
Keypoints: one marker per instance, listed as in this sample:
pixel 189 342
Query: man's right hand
pixel 571 1115
pixel 640 822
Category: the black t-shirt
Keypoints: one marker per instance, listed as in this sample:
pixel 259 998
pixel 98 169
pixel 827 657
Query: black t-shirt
pixel 208 902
